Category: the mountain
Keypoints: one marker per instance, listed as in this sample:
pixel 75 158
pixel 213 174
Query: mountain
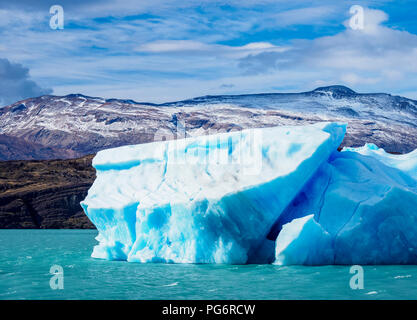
pixel 75 125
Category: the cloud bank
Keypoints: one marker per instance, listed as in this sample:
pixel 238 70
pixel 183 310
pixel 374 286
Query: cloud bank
pixel 15 83
pixel 371 55
pixel 169 50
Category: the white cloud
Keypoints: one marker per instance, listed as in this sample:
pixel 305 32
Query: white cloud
pixel 376 56
pixel 372 21
pixel 172 45
pixel 304 16
pixel 202 49
pixel 258 46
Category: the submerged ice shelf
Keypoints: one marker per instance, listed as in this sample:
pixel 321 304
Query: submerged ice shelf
pixel 282 194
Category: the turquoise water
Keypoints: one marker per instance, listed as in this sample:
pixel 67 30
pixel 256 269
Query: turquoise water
pixel 27 255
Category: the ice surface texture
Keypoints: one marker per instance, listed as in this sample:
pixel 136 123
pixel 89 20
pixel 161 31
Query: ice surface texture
pixel 404 162
pixel 282 194
pixel 210 199
pixel 363 211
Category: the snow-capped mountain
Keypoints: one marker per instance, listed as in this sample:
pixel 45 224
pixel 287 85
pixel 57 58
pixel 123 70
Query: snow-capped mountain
pixel 69 126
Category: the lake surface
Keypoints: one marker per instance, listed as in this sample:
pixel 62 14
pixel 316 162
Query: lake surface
pixel 26 257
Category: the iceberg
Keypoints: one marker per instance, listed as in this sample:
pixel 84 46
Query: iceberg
pixel 209 199
pixel 362 210
pixel 282 195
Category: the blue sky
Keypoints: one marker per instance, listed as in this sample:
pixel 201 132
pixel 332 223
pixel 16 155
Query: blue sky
pixel 160 51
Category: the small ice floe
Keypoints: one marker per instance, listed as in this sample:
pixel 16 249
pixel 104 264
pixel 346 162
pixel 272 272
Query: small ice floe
pixel 171 284
pixel 372 292
pixel 403 277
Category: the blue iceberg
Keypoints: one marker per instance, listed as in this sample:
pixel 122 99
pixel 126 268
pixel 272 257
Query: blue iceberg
pixel 362 210
pixel 210 199
pixel 283 195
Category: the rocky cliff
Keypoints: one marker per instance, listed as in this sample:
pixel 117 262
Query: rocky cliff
pixel 44 194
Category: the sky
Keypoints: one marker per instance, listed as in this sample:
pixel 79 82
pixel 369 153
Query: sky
pixel 160 51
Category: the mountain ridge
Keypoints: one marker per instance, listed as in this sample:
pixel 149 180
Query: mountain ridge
pixel 330 88
pixel 76 125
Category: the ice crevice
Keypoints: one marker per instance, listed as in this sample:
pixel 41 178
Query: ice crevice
pixel 322 198
pixel 282 194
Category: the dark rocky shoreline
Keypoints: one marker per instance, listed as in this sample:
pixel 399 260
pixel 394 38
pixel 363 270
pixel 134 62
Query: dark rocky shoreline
pixel 45 194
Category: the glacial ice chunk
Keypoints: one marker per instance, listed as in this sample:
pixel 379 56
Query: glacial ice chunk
pixel 315 248
pixel 365 212
pixel 404 162
pixel 209 199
